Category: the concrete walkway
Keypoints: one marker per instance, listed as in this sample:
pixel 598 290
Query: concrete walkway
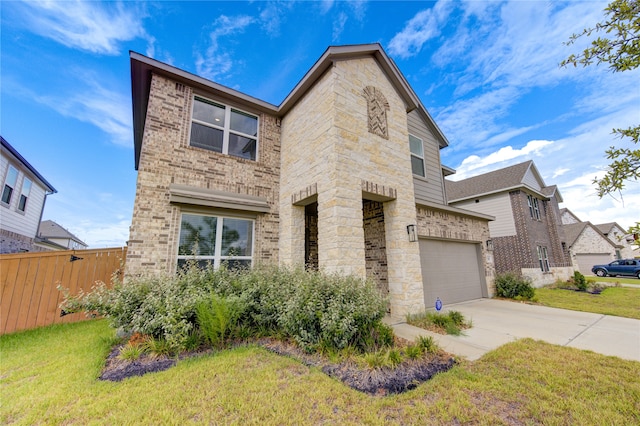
pixel 496 322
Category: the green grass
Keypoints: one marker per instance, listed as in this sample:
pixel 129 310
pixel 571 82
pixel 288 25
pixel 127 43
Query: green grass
pixel 618 301
pixel 49 376
pixel 613 280
pixel 452 322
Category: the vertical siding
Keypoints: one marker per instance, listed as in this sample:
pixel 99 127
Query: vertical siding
pixel 498 205
pixel 429 188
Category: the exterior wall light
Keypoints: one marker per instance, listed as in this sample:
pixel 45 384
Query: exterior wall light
pixel 413 235
pixel 490 245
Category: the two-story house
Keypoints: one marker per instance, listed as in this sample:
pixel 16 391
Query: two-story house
pixel 344 175
pixel 24 193
pixel 526 235
pixel 54 237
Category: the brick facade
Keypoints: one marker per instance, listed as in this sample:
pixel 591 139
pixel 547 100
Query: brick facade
pixel 167 158
pixel 448 225
pixel 375 250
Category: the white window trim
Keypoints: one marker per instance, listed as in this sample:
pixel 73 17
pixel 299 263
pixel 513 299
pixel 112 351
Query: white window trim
pixel 26 196
pixel 218 258
pixel 543 258
pixel 226 127
pixel 13 188
pixel 534 208
pixel 424 164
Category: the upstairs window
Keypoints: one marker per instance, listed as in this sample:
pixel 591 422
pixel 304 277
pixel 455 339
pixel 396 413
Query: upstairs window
pixel 223 129
pixel 534 210
pixel 417 156
pixel 24 195
pixel 9 184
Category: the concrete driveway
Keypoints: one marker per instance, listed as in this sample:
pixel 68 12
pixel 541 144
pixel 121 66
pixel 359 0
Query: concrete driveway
pixel 496 322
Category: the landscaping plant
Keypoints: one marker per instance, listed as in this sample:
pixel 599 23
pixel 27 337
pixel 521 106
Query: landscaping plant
pixel 512 286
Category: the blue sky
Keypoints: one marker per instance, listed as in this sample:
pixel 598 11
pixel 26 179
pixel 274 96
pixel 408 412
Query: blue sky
pixel 486 71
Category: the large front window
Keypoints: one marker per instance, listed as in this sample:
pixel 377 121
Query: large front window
pixel 417 156
pixel 24 195
pixel 534 209
pixel 215 240
pixel 223 129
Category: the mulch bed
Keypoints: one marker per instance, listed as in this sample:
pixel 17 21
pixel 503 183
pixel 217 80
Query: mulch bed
pixel 373 381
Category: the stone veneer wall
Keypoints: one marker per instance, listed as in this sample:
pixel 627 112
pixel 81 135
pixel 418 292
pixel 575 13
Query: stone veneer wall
pixel 591 242
pixel 446 225
pixel 326 144
pixel 166 158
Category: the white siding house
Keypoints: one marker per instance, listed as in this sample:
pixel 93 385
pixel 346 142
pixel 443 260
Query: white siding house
pixel 24 192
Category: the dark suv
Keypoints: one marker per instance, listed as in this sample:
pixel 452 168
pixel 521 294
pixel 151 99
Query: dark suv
pixel 629 267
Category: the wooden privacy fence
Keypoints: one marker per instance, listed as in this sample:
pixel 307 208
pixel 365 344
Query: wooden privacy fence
pixel 29 281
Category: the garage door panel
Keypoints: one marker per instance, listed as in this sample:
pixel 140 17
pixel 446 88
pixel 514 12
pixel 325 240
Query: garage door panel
pixel 586 261
pixel 450 271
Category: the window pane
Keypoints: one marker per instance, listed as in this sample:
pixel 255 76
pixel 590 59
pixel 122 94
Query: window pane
pixel 201 263
pixel 206 137
pixel 6 194
pixel 237 235
pixel 197 233
pixel 235 264
pixel 415 145
pixel 244 123
pixel 12 177
pixel 208 112
pixel 26 187
pixel 417 166
pixel 242 147
pixel 22 204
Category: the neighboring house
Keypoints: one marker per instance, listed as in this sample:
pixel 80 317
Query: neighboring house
pixel 620 237
pixel 344 175
pixel 24 193
pixel 588 246
pixel 55 237
pixel 526 234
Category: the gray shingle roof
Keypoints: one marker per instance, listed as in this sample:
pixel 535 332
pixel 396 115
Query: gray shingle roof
pixel 496 180
pixel 573 231
pixel 50 229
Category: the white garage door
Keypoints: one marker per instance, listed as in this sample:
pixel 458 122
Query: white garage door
pixel 451 271
pixel 586 261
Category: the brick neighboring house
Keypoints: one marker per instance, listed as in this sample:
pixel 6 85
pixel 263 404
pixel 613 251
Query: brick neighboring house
pixel 526 235
pixel 340 176
pixel 24 192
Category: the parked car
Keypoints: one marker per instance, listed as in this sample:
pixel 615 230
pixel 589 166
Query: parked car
pixel 630 267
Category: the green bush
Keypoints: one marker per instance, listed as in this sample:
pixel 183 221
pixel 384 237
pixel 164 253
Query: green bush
pixel 451 322
pixel 512 286
pixel 315 309
pixel 580 281
pixel 218 317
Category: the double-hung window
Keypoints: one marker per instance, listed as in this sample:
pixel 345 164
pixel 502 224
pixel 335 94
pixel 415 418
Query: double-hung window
pixel 24 195
pixel 543 259
pixel 534 209
pixel 223 129
pixel 213 240
pixel 9 184
pixel 417 156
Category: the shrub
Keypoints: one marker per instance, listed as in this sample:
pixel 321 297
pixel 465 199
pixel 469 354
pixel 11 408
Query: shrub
pixel 512 286
pixel 218 317
pixel 427 344
pixel 414 351
pixel 580 281
pixel 131 351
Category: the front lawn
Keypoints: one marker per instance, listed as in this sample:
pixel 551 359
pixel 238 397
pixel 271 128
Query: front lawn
pixel 49 376
pixel 617 301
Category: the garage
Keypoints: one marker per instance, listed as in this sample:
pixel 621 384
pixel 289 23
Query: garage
pixel 451 271
pixel 586 261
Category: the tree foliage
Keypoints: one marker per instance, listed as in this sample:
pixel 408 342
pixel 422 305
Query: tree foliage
pixel 619 47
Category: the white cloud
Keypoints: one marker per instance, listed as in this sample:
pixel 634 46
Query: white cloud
pixel 559 172
pixel 475 165
pixel 424 26
pixel 216 61
pixel 91 26
pixel 338 25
